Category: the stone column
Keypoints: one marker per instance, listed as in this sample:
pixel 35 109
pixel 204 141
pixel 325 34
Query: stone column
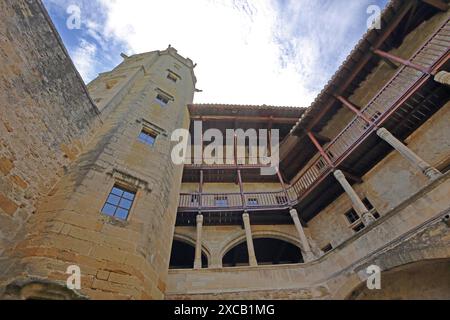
pixel 358 205
pixel 443 77
pixel 408 154
pixel 198 244
pixel 248 233
pixel 307 254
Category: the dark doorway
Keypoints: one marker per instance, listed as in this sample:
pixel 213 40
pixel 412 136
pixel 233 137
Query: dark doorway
pixel 183 255
pixel 268 251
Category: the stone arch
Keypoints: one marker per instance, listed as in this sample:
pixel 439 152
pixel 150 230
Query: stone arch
pixel 425 279
pixel 291 251
pixel 427 247
pixel 192 242
pixel 260 234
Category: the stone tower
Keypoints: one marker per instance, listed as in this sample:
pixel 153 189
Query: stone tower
pixel 113 213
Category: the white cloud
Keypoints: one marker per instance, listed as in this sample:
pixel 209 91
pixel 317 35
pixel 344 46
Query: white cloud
pixel 248 51
pixel 84 59
pixel 232 42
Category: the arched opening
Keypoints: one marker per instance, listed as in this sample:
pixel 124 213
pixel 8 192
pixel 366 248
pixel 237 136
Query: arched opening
pixel 424 280
pixel 183 255
pixel 268 251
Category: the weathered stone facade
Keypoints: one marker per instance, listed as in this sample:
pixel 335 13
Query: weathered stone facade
pixel 46 117
pixel 118 259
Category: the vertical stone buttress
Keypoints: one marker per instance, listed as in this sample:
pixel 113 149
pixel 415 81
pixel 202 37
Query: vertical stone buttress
pixel 118 259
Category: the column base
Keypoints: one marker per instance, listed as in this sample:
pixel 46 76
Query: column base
pixel 308 257
pixel 368 218
pixel 197 266
pixel 432 173
pixel 253 263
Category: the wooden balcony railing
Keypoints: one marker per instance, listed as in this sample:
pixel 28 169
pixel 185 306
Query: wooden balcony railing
pixel 239 162
pixel 398 89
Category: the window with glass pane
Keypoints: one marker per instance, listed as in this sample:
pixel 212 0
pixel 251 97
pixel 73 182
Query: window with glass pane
pixel 352 216
pixel 221 201
pixel 119 202
pixel 147 137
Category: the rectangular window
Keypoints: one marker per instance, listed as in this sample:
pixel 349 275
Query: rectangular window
pixel 355 220
pixel 172 76
pixel 163 98
pixel 359 227
pixel 221 201
pixel 371 208
pixel 147 136
pixel 327 248
pixel 352 216
pixel 119 202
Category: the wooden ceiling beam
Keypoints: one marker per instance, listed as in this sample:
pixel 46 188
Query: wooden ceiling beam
pixel 279 120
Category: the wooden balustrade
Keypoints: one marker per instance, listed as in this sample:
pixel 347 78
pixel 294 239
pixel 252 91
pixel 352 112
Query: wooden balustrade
pixel 433 53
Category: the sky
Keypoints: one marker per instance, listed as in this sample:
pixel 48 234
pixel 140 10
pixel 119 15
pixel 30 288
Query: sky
pixel 273 52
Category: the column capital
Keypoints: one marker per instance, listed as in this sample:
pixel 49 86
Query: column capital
pixel 429 171
pixel 294 213
pixel 339 174
pixel 383 133
pixel 199 218
pixel 245 215
pixel 443 77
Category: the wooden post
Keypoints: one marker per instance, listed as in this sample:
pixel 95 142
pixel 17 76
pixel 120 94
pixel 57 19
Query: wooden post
pixel 200 191
pixel 280 178
pixel 241 188
pixel 321 150
pixel 355 110
pixel 402 61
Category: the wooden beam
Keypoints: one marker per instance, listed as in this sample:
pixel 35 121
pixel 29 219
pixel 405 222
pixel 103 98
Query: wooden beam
pixel 402 61
pixel 321 138
pixel 320 149
pixel 241 189
pixel 354 109
pixel 200 191
pixel 438 4
pixel 389 63
pixel 275 120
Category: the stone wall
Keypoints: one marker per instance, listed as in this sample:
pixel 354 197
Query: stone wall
pixel 46 115
pixel 118 259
